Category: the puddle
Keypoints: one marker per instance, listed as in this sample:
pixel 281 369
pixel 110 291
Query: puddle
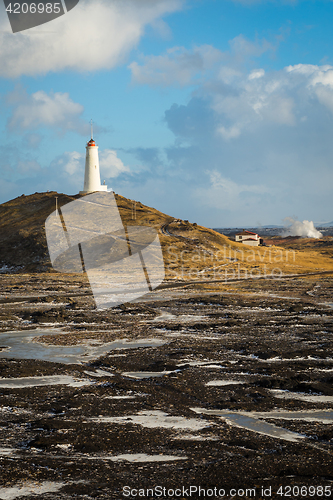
pixel 29 489
pixel 251 422
pixel 154 419
pixel 143 375
pixel 139 458
pixel 322 416
pixel 20 383
pixel 261 427
pixel 19 345
pixel 219 383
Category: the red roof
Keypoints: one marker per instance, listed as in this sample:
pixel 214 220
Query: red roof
pixel 246 233
pixel 91 143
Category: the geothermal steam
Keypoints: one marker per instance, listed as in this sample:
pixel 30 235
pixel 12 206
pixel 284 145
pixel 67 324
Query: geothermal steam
pixel 304 229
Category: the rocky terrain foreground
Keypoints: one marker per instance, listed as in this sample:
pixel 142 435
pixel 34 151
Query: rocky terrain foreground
pixel 226 387
pixel 218 384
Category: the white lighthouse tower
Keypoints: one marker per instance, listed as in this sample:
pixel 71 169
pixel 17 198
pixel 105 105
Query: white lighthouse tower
pixel 92 178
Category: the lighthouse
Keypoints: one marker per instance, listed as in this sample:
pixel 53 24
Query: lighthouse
pixel 92 178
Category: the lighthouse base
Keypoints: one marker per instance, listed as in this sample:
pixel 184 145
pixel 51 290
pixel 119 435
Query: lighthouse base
pixel 101 188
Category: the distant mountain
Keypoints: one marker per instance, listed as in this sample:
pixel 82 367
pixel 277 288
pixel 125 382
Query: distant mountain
pixel 324 224
pixel 247 228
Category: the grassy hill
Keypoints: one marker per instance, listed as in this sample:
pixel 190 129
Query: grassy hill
pixel 191 252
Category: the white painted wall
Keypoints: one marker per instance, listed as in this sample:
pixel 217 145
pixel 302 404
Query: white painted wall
pixel 92 176
pixel 252 243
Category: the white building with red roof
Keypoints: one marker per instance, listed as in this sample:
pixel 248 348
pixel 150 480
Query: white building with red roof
pixel 248 238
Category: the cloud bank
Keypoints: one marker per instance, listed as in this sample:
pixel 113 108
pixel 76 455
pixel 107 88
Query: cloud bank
pixel 95 35
pixel 250 145
pixel 54 110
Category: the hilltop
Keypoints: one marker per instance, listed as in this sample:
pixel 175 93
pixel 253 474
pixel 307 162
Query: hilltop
pixel 22 228
pixel 191 251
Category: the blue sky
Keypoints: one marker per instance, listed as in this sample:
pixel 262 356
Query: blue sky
pixel 216 111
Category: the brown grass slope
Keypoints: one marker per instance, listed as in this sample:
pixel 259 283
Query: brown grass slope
pixel 23 243
pixel 191 252
pixel 22 234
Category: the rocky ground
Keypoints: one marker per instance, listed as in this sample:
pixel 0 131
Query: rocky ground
pixel 225 386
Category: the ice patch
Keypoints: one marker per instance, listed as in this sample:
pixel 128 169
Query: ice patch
pixel 202 364
pixel 155 419
pixel 64 447
pixel 120 397
pixel 7 452
pixel 99 373
pixel 218 383
pixel 292 360
pixel 182 318
pixel 195 437
pixel 4 269
pixel 139 458
pixel 143 375
pixel 28 489
pixel 310 398
pixel 19 383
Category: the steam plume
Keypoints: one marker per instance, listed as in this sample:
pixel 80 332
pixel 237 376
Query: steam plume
pixel 304 229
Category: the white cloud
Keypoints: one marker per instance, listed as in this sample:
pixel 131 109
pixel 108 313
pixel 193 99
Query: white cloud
pixel 325 97
pixel 256 73
pixel 69 167
pixel 181 66
pixel 66 170
pixel 42 109
pixel 95 35
pixel 229 133
pixel 28 167
pixel 111 166
pixel 267 140
pixel 242 48
pixel 279 110
pixel 72 163
pixel 233 103
pixel 32 140
pixel 178 67
pixel 223 193
pixel 284 97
